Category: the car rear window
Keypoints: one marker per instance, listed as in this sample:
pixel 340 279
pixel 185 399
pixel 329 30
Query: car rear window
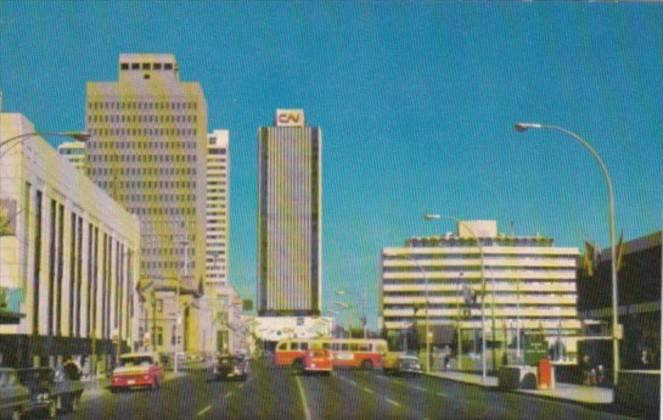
pixel 136 361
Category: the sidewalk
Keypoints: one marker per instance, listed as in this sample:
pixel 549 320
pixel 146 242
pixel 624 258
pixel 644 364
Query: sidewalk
pixel 564 392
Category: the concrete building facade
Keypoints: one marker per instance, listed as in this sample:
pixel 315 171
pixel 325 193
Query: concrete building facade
pixel 530 286
pixel 148 150
pixel 289 216
pixel 69 259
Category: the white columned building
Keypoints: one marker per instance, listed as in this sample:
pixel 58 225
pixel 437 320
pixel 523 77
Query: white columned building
pixel 69 260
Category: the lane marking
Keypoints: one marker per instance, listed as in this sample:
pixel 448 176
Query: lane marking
pixel 204 410
pixel 439 394
pixel 392 402
pixel 228 394
pixel 420 388
pixel 307 413
pixel 369 390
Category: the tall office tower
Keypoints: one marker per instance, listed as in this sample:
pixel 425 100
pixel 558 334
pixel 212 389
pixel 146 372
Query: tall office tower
pixel 74 152
pixel 148 150
pixel 289 224
pixel 218 197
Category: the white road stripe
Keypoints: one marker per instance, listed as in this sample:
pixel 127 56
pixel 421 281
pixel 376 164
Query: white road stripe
pixel 439 394
pixel 307 413
pixel 204 410
pixel 392 402
pixel 420 388
pixel 228 394
pixel 369 390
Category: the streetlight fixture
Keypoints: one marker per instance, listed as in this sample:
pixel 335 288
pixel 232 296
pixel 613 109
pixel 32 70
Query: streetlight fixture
pixel 616 331
pixel 433 216
pixel 76 135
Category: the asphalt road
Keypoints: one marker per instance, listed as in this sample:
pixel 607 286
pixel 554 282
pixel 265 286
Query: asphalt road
pixel 274 393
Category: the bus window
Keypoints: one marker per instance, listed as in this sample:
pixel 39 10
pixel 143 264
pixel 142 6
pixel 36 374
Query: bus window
pixel 354 346
pixel 283 346
pixel 380 348
pixel 303 345
pixel 364 347
pixel 344 347
pixel 326 345
pixel 336 346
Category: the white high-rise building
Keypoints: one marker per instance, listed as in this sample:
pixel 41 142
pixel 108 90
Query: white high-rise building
pixel 218 205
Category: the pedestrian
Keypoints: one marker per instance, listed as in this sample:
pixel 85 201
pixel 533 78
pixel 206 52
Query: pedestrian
pixel 586 369
pixel 72 369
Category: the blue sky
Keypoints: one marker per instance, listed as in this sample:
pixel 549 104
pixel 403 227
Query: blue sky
pixel 416 101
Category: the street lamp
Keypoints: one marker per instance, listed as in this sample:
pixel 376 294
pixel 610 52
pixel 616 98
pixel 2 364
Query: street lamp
pixel 483 290
pixel 521 127
pixel 76 135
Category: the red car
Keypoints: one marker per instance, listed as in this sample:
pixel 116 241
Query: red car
pixel 318 360
pixel 137 370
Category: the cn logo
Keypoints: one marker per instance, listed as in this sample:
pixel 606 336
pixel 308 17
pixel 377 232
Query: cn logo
pixel 290 118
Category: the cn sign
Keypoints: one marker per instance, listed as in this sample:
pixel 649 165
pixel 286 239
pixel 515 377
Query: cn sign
pixel 289 117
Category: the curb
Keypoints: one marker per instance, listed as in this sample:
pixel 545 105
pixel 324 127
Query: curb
pixel 601 406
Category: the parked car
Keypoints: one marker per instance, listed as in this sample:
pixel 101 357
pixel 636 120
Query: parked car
pixel 389 361
pixel 137 370
pixel 51 390
pixel 230 367
pixel 14 397
pixel 407 365
pixel 318 360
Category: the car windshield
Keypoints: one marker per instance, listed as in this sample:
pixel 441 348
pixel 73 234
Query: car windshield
pixel 135 361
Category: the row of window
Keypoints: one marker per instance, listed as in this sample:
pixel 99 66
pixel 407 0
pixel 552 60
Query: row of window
pixel 147 66
pixel 152 144
pixel 177 158
pixel 159 197
pixel 146 184
pixel 216 190
pixel 215 151
pixel 160 211
pixel 151 265
pixel 142 105
pixel 141 118
pixel 143 171
pixel 181 250
pixel 143 131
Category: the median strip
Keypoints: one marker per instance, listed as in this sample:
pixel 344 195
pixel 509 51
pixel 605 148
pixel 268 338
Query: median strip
pixel 307 413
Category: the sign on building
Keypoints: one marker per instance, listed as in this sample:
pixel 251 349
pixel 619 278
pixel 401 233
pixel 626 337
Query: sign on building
pixel 289 118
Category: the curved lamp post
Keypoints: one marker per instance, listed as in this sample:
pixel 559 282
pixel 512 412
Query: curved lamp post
pixel 483 289
pixel 521 127
pixel 76 135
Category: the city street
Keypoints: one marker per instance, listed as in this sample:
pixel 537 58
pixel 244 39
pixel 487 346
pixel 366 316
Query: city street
pixel 273 393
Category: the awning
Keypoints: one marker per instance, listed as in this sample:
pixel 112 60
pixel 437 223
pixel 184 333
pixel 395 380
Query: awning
pixel 9 317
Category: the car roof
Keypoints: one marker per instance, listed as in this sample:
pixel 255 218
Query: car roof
pixel 140 354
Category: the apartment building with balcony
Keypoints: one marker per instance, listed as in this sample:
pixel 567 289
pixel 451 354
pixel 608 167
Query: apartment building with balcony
pixel 530 286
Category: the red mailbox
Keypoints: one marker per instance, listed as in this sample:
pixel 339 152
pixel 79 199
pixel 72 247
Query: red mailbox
pixel 545 374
